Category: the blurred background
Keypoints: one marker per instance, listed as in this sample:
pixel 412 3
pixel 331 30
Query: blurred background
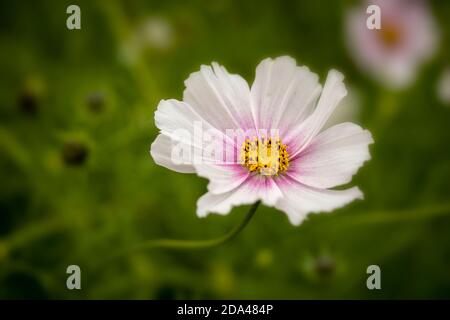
pixel 77 182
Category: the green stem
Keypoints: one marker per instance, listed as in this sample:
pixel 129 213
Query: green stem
pixel 193 244
pixel 199 244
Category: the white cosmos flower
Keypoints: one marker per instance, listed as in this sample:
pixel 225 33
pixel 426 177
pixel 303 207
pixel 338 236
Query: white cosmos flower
pixel 286 97
pixel 407 38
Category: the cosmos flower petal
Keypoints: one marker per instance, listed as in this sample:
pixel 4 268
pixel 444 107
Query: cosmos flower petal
pixel 267 189
pixel 248 192
pixel 333 92
pixel 179 121
pixel 299 200
pixel 220 98
pixel 222 177
pixel 283 93
pixel 332 157
pixel 222 203
pixel 172 115
pixel 161 152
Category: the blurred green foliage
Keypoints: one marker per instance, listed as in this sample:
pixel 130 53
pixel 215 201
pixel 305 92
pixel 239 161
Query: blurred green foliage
pixel 78 184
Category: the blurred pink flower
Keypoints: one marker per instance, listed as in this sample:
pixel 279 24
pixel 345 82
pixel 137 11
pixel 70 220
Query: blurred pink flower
pixel 393 54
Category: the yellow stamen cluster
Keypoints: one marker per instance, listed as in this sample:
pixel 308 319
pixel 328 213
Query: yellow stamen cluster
pixel 265 156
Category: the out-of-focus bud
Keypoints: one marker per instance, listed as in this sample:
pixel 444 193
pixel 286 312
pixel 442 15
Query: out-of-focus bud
pixel 74 153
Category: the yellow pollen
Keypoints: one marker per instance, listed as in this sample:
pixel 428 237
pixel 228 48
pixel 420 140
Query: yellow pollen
pixel 265 156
